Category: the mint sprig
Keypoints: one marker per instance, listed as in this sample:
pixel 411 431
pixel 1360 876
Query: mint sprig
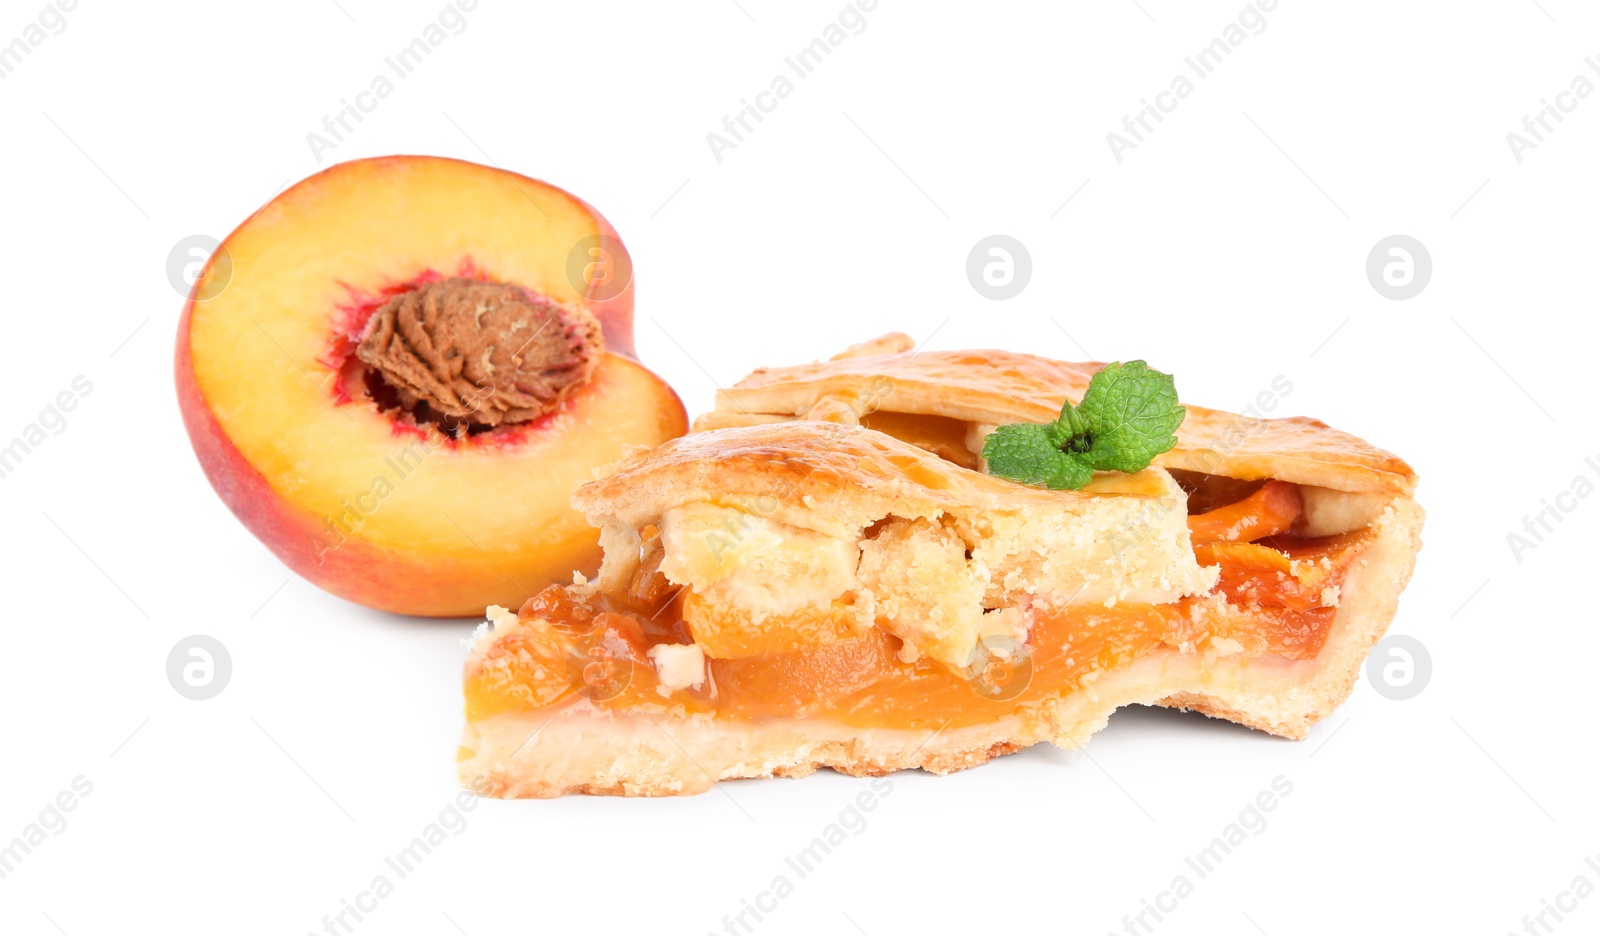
pixel 1127 418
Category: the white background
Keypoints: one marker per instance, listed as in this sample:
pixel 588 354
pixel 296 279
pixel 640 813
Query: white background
pixel 1227 249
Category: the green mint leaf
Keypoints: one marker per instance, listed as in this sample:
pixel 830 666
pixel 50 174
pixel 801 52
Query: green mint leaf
pixel 1073 429
pixel 1127 418
pixel 1070 473
pixel 1132 412
pixel 1030 453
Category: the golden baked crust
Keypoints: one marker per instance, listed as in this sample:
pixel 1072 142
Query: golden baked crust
pixel 817 475
pixel 988 388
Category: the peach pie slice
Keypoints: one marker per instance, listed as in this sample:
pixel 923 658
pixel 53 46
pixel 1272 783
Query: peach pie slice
pixel 823 575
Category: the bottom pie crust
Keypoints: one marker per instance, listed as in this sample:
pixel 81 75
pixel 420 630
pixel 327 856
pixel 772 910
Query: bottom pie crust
pixel 581 748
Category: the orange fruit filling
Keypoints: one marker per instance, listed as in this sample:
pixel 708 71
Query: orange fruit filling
pixel 723 631
pixel 1277 601
pixel 1272 510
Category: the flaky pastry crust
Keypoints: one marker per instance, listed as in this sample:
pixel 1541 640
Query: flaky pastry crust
pixel 988 388
pixel 817 475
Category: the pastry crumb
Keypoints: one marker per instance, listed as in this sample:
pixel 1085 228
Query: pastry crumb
pixel 1225 646
pixel 678 666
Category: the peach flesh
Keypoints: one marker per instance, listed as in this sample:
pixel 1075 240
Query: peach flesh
pixel 374 508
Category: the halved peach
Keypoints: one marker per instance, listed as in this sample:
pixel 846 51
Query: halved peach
pixel 347 465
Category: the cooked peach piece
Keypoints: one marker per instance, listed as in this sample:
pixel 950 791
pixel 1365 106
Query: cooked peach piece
pixel 1271 510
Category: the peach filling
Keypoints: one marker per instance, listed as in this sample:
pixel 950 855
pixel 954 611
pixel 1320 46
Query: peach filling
pixel 1277 595
pixel 1270 511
